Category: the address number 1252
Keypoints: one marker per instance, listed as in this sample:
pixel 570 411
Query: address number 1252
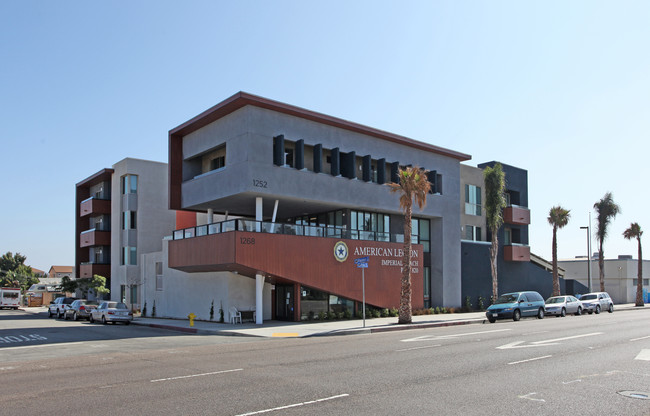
pixel 259 183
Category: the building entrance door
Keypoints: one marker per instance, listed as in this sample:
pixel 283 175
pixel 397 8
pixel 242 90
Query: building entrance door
pixel 284 302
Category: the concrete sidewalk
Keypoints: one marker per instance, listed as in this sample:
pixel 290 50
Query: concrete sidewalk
pixel 276 329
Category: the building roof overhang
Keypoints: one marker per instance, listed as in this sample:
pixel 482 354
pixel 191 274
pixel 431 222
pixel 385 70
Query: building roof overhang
pixel 242 99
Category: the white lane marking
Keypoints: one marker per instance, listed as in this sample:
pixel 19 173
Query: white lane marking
pixel 196 375
pixel 637 339
pixel 65 344
pixel 6 368
pixel 418 348
pixel 435 337
pixel 572 381
pixel 544 343
pixel 530 359
pixel 643 355
pixel 565 338
pixel 294 405
pixel 526 396
pixel 516 345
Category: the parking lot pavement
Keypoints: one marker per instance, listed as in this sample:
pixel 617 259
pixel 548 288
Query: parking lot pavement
pixel 275 329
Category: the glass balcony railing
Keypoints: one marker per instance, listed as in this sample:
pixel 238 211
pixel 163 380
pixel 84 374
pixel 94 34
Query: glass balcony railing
pixel 286 229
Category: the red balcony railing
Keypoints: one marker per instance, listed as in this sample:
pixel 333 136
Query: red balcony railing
pixel 516 253
pixel 94 206
pixel 516 215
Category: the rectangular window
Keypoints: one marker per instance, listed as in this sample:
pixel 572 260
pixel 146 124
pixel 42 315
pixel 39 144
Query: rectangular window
pixel 129 220
pixel 472 200
pixel 134 294
pixel 129 184
pixel 218 163
pixel 129 256
pixel 159 278
pixel 472 233
pixel 123 293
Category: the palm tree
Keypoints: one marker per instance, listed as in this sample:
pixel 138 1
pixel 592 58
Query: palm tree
pixel 606 209
pixel 413 186
pixel 558 217
pixel 635 232
pixel 495 203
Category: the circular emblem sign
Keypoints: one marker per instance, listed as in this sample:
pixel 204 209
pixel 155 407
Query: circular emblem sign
pixel 341 251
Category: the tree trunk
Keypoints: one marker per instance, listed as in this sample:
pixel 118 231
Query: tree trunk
pixel 601 267
pixel 556 280
pixel 494 251
pixel 639 278
pixel 405 298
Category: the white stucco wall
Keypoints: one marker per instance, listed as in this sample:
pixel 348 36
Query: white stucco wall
pixel 184 293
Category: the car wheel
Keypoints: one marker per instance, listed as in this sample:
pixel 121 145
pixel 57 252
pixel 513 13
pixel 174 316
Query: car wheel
pixel 104 320
pixel 516 315
pixel 49 313
pixel 611 308
pixel 59 314
pixel 126 322
pixel 563 313
pixel 540 313
pixel 579 312
pixel 74 316
pixel 492 320
pixel 597 309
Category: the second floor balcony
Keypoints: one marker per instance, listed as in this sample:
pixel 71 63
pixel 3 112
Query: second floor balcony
pixel 517 215
pixel 95 237
pixel 516 252
pixel 94 206
pixel 90 269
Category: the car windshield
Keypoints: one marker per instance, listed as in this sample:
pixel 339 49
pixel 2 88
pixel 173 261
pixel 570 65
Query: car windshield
pixel 555 300
pixel 588 297
pixel 508 298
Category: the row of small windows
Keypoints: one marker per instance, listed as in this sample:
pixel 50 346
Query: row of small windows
pixel 315 158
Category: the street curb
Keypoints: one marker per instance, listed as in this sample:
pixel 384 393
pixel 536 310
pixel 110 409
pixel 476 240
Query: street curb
pixel 195 330
pixel 396 327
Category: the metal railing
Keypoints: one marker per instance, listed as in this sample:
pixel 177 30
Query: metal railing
pixel 285 229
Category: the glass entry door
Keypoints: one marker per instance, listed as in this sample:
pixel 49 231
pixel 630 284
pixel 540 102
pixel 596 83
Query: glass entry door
pixel 284 302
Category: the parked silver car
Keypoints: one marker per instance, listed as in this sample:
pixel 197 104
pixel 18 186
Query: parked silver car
pixel 80 308
pixel 561 305
pixel 58 306
pixel 596 302
pixel 111 311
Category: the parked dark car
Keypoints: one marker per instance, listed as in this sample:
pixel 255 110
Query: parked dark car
pixel 58 306
pixel 515 306
pixel 80 308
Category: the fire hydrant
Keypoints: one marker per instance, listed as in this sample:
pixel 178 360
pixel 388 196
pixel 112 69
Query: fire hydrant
pixel 191 316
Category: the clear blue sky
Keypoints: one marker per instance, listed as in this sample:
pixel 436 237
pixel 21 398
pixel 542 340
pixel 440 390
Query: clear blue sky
pixel 560 88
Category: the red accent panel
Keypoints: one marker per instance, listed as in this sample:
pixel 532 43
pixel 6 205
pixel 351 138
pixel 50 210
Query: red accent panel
pixel 88 270
pixel 516 253
pixel 95 206
pixel 308 261
pixel 185 219
pixel 95 238
pixel 516 215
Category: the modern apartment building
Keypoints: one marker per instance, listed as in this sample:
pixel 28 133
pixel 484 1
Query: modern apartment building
pixel 121 214
pixel 518 269
pixel 301 195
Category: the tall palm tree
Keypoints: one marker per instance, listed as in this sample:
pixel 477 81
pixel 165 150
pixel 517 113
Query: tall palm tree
pixel 635 232
pixel 495 203
pixel 558 217
pixel 413 186
pixel 606 209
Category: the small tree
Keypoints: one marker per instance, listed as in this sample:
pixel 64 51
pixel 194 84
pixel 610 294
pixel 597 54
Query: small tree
pixel 413 185
pixel 558 217
pixel 606 209
pixel 635 232
pixel 68 285
pixel 495 203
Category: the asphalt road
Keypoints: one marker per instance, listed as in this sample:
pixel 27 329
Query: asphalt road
pixel 532 367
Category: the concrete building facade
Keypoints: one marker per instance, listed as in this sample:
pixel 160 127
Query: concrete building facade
pixel 620 276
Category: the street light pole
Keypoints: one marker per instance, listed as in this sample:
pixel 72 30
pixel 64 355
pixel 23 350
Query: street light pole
pixel 588 228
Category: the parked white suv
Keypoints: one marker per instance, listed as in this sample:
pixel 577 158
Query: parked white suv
pixel 597 301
